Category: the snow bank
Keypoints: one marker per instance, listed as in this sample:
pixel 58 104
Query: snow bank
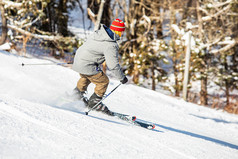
pixel 40 117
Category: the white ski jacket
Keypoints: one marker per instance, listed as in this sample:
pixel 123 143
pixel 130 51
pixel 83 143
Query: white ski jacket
pixel 98 48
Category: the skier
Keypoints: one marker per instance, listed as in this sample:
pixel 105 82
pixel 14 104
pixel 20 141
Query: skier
pixel 100 46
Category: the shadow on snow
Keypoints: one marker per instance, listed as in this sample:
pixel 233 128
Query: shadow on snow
pixel 75 110
pixel 223 143
pixel 215 119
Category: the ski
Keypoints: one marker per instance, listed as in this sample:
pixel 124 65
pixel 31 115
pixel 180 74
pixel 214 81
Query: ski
pixel 132 120
pixel 128 118
pixel 125 117
pixel 144 125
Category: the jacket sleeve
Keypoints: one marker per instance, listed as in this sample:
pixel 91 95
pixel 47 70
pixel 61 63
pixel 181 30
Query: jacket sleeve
pixel 112 61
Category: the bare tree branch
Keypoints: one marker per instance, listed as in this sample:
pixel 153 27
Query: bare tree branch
pixel 91 15
pixel 4 25
pixel 208 18
pixel 45 37
pixel 220 4
pixel 225 48
pixel 23 23
pixel 99 16
pixel 8 4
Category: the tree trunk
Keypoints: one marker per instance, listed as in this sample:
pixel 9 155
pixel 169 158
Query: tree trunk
pixel 186 9
pixel 227 93
pixel 51 19
pixel 227 83
pixel 203 93
pixel 4 26
pixel 62 18
pixel 49 25
pixel 135 69
pixel 175 54
pixel 176 81
pixel 153 75
pixel 99 16
pixel 106 15
pixel 135 12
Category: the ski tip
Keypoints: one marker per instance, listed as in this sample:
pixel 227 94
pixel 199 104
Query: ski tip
pixel 153 126
pixel 134 118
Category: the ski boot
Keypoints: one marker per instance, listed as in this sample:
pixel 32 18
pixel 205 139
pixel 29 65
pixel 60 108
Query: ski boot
pixel 93 100
pixel 81 95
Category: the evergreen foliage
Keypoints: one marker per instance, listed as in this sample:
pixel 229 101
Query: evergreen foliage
pixel 41 19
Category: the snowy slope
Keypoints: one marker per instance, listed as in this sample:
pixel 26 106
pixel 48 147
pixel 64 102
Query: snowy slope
pixel 41 118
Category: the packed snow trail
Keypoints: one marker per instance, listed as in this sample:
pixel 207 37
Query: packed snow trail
pixel 40 117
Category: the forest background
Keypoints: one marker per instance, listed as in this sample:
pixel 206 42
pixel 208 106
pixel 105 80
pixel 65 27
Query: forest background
pixel 155 42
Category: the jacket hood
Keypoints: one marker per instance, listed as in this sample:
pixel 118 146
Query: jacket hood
pixel 102 35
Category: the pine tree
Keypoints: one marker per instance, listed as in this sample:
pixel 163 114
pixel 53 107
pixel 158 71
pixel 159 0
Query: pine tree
pixel 29 19
pixel 143 56
pixel 4 25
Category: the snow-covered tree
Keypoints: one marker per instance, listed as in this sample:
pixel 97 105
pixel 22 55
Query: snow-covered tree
pixel 4 25
pixel 27 18
pixel 143 51
pixel 216 29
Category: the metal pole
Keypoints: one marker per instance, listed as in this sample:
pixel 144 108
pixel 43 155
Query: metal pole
pixel 23 64
pixel 102 100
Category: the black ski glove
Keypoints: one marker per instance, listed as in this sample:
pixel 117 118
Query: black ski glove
pixel 124 80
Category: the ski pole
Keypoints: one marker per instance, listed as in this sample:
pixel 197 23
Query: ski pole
pixel 102 100
pixel 46 63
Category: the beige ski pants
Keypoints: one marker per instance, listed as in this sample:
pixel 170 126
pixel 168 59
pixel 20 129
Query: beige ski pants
pixel 100 80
